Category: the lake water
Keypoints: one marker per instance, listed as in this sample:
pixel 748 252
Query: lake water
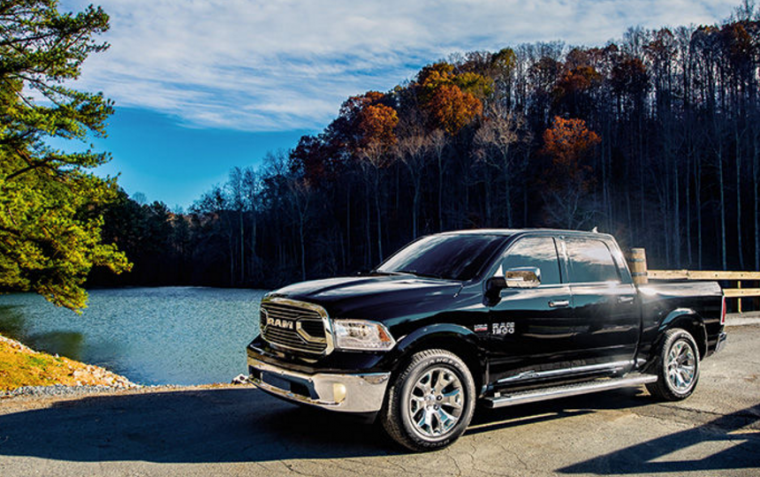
pixel 167 335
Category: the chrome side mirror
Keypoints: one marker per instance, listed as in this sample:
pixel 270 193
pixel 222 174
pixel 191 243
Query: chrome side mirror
pixel 523 277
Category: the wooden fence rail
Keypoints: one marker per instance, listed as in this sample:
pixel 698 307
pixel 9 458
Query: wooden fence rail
pixel 641 274
pixel 737 277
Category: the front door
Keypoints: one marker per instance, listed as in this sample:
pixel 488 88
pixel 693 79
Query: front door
pixel 532 329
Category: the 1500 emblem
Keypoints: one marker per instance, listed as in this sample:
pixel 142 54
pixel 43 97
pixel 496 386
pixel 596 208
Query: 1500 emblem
pixel 288 325
pixel 504 328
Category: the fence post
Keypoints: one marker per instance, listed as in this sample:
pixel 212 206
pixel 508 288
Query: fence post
pixel 639 266
pixel 739 307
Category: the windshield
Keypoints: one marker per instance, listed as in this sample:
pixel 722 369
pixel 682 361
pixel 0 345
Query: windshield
pixel 452 257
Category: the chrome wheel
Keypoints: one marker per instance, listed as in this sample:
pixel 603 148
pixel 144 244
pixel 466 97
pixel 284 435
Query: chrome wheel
pixel 681 366
pixel 436 402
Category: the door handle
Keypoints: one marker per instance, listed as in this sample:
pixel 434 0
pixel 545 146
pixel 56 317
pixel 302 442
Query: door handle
pixel 559 303
pixel 625 299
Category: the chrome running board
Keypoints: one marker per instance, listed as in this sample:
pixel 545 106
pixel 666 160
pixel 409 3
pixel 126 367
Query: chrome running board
pixel 504 399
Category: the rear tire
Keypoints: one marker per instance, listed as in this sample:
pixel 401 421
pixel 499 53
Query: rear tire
pixel 431 402
pixel 677 367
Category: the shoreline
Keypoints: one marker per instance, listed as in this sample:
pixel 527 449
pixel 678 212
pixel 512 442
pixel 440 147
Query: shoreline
pixel 25 371
pixel 43 378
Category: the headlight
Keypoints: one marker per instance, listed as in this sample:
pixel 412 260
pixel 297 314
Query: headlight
pixel 362 335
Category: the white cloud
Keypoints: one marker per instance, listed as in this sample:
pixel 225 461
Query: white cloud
pixel 285 64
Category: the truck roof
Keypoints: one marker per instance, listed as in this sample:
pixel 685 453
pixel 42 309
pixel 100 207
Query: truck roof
pixel 509 232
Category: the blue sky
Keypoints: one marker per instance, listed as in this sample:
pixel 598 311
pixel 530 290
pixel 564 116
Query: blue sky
pixel 204 85
pixel 160 156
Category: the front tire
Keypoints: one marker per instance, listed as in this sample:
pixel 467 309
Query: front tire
pixel 677 367
pixel 431 402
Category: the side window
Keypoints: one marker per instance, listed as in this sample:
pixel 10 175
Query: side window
pixel 535 252
pixel 590 261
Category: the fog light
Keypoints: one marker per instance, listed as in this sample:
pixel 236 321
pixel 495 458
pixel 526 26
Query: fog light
pixel 339 392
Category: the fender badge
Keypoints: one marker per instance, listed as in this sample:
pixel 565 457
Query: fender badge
pixel 477 328
pixel 504 328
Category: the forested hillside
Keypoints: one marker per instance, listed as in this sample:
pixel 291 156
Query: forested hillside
pixel 654 138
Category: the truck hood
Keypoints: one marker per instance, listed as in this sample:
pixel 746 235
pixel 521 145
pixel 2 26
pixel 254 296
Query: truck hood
pixel 377 297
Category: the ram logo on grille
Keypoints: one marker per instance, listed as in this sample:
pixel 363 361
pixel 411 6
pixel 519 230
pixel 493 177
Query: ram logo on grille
pixel 285 324
pixel 294 325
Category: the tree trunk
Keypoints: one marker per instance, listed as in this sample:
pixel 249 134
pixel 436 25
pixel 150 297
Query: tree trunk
pixel 368 230
pixel 755 176
pixel 348 225
pixel 740 249
pixel 253 243
pixel 721 185
pixel 507 194
pixel 688 207
pixel 242 247
pixel 677 214
pixel 487 189
pixel 232 257
pixel 415 204
pixel 698 197
pixel 440 192
pixel 379 219
pixel 303 249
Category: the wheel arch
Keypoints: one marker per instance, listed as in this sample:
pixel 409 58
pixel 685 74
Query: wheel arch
pixel 454 338
pixel 689 320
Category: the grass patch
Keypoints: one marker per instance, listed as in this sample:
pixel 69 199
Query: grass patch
pixel 21 366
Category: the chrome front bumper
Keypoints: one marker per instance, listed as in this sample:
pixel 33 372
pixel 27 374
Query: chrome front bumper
pixel 356 393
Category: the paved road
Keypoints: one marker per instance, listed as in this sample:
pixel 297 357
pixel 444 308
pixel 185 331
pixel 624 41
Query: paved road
pixel 241 431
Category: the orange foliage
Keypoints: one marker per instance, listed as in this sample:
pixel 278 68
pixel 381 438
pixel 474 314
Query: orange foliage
pixel 366 121
pixel 579 79
pixel 354 104
pixel 452 100
pixel 740 46
pixel 453 109
pixel 432 76
pixel 377 123
pixel 567 143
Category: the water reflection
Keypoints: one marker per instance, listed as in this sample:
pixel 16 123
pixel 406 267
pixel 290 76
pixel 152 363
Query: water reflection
pixel 64 343
pixel 13 324
pixel 11 321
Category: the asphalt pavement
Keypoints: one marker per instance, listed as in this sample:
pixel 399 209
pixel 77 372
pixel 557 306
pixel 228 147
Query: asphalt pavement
pixel 230 431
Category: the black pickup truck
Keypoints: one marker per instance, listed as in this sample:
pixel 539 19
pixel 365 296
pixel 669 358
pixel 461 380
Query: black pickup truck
pixel 503 317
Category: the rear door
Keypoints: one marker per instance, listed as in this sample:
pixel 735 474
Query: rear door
pixel 604 303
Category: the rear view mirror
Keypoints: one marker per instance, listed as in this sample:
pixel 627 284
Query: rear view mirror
pixel 523 277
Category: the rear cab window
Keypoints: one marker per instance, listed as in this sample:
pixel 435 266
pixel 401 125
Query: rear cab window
pixel 591 261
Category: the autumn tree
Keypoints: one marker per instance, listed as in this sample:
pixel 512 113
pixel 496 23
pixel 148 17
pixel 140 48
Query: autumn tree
pixel 412 150
pixel 501 131
pixel 301 192
pixel 375 123
pixel 502 68
pixel 50 201
pixel 438 143
pixel 252 200
pixel 568 144
pixel 575 90
pixel 452 100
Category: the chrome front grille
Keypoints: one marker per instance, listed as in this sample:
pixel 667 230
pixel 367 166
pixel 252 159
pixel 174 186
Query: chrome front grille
pixel 295 325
